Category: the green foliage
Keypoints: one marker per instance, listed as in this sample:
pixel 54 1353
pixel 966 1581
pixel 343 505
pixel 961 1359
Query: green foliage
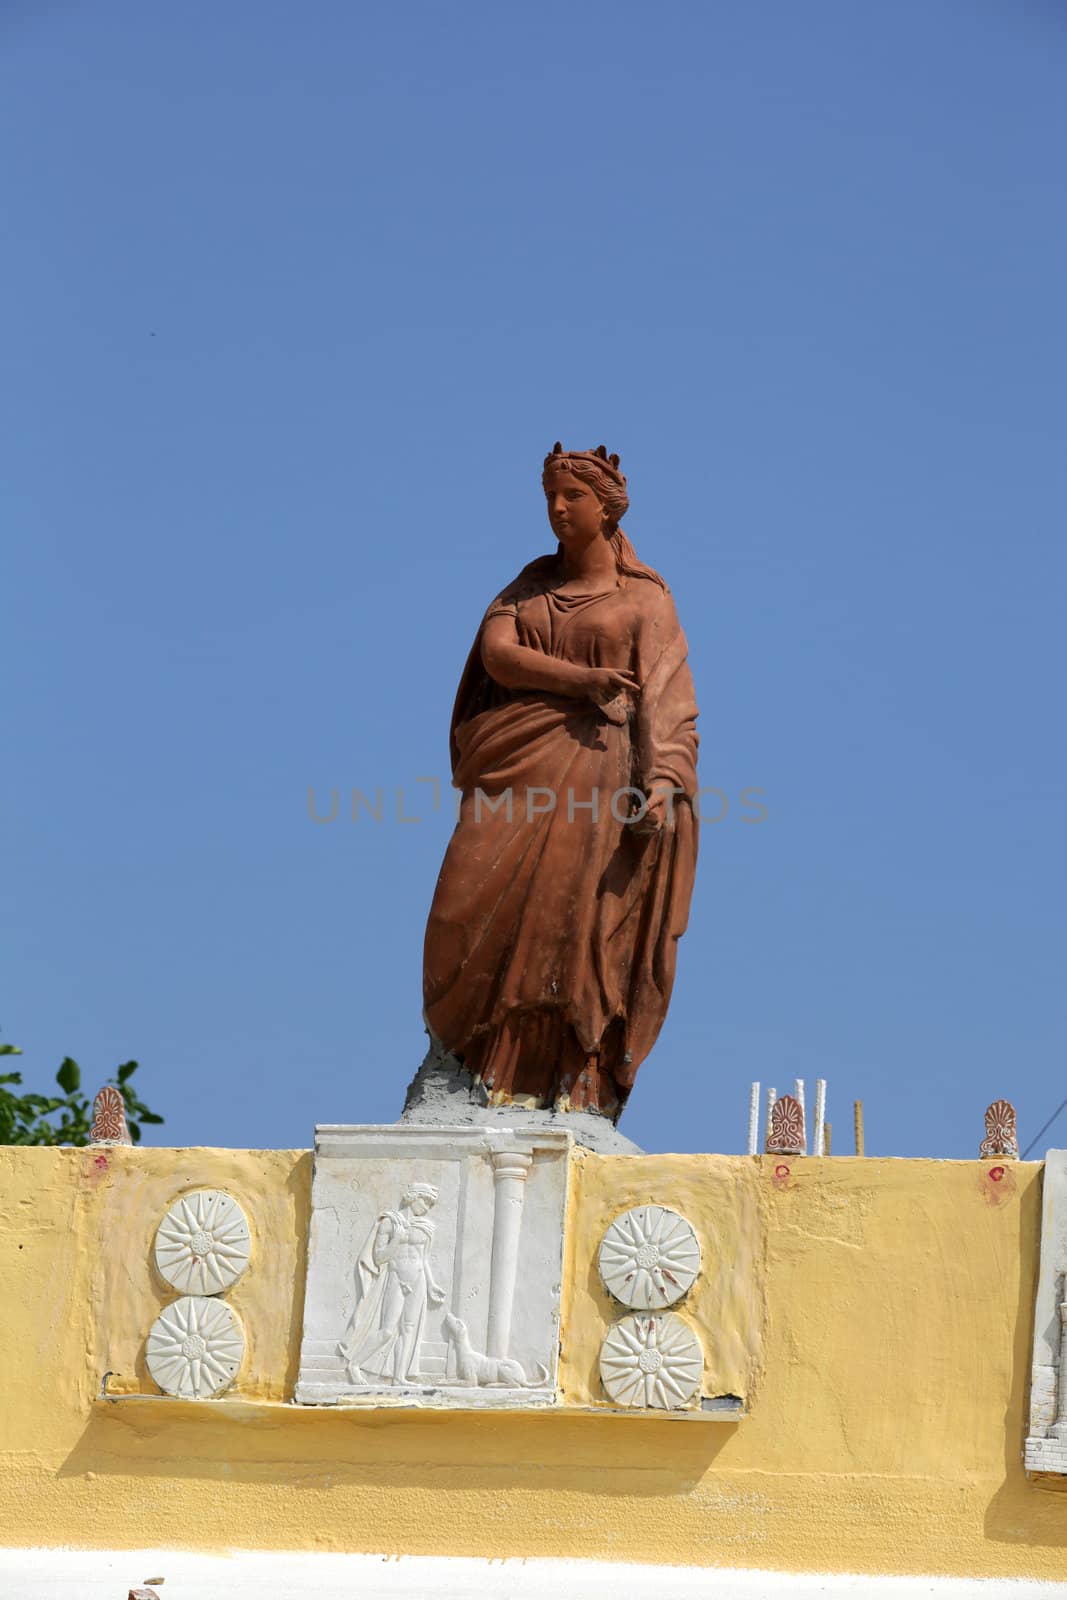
pixel 25 1118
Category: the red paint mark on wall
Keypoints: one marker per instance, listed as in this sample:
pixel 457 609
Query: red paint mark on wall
pixel 996 1185
pixel 96 1169
pixel 782 1175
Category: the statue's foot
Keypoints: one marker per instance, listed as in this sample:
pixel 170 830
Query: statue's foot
pixel 353 1372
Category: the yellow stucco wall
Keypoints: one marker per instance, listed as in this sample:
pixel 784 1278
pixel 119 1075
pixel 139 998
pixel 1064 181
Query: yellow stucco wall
pixel 875 1315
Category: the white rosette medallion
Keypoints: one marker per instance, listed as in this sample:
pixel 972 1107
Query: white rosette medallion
pixel 203 1245
pixel 649 1258
pixel 195 1348
pixel 651 1362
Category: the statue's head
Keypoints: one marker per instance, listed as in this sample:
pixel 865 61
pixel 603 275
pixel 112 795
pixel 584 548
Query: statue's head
pixel 585 493
pixel 419 1198
pixel 586 496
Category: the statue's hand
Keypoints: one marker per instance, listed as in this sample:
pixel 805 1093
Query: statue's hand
pixel 607 687
pixel 660 813
pixel 434 1294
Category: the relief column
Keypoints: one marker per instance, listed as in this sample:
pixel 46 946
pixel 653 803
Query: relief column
pixel 510 1168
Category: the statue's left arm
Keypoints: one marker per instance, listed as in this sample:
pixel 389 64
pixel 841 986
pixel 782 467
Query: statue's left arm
pixel 666 736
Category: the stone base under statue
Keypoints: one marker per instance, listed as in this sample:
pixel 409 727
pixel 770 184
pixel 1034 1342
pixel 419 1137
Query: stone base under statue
pixel 442 1094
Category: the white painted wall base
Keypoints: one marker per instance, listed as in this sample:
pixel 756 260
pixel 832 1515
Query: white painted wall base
pixel 109 1575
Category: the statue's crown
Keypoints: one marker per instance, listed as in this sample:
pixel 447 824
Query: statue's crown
pixel 609 464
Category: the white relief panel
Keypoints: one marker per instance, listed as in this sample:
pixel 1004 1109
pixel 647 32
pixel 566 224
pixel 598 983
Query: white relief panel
pixel 1046 1445
pixel 649 1258
pixel 202 1244
pixel 195 1348
pixel 434 1267
pixel 651 1361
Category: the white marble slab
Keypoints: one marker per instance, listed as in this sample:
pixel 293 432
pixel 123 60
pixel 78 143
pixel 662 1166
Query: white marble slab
pixel 1046 1447
pixel 435 1266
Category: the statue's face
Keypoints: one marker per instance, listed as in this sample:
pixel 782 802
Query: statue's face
pixel 421 1204
pixel 575 512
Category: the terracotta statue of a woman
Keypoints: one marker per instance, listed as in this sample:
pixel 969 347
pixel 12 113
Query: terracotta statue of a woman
pixel 551 941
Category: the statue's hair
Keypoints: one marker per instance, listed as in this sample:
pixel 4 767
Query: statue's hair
pixel 601 472
pixel 419 1191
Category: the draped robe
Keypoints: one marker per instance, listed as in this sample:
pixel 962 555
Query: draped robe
pixel 551 941
pixel 363 1346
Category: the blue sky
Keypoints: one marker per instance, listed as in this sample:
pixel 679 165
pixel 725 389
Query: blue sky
pixel 296 299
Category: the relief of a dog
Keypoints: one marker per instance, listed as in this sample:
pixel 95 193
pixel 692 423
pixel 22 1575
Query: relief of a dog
pixel 475 1368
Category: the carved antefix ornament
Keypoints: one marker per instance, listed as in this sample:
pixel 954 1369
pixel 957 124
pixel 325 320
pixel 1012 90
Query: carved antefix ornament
pixel 1001 1139
pixel 109 1124
pixel 785 1136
